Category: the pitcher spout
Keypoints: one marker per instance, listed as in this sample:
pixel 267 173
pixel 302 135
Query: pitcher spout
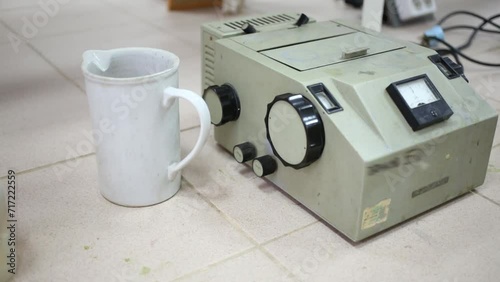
pixel 100 58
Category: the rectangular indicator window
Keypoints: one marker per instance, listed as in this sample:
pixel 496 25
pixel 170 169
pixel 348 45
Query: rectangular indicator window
pixel 325 102
pixel 444 69
pixel 325 98
pixel 449 68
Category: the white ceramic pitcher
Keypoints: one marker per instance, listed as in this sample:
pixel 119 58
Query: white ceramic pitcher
pixel 132 95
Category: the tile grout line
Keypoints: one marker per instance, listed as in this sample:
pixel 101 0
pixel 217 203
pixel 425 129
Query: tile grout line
pixel 274 259
pixel 486 198
pixel 55 67
pixel 231 221
pixel 227 219
pixel 277 262
pixel 69 32
pixel 189 128
pixel 200 270
pixel 18 8
pixel 36 8
pixel 224 215
pixel 158 28
pixel 259 246
pixel 289 233
pixel 60 72
pixel 127 12
pixel 50 164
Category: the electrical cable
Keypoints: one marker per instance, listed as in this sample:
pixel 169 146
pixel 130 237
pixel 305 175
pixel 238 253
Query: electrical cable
pixel 467 13
pixel 474 33
pixel 456 52
pixel 470 27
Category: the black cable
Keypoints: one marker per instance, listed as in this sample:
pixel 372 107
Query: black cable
pixel 467 13
pixel 474 33
pixel 470 27
pixel 458 52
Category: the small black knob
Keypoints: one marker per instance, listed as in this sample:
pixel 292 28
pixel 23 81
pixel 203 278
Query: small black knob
pixel 264 165
pixel 223 103
pixel 244 152
pixel 303 19
pixel 248 28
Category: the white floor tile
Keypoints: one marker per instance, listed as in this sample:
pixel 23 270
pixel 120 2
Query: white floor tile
pixel 144 10
pixel 42 115
pixel 252 266
pixel 68 59
pixel 68 225
pixel 451 243
pixel 5 35
pixel 39 22
pixel 187 24
pixel 254 204
pixel 8 4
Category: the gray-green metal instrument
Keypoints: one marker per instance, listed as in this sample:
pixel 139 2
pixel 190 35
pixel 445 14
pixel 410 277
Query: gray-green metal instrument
pixel 363 130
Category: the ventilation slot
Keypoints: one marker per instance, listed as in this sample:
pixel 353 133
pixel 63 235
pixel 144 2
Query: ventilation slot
pixel 209 66
pixel 232 25
pixel 262 21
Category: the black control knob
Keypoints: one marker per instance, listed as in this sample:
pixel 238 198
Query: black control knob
pixel 248 28
pixel 264 165
pixel 223 103
pixel 294 130
pixel 244 152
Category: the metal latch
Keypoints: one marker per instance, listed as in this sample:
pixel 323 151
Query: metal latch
pixel 354 52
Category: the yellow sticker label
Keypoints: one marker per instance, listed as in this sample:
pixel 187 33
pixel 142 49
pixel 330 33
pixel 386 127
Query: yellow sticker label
pixel 376 214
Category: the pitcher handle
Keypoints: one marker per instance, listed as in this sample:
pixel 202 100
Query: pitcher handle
pixel 169 96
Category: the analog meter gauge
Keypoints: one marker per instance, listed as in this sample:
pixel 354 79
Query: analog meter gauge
pixel 419 102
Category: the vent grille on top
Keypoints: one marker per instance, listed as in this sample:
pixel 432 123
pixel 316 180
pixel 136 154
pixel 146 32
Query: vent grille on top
pixel 209 66
pixel 267 20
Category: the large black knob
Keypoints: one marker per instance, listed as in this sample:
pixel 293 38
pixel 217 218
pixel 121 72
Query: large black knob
pixel 294 130
pixel 244 152
pixel 223 103
pixel 264 165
